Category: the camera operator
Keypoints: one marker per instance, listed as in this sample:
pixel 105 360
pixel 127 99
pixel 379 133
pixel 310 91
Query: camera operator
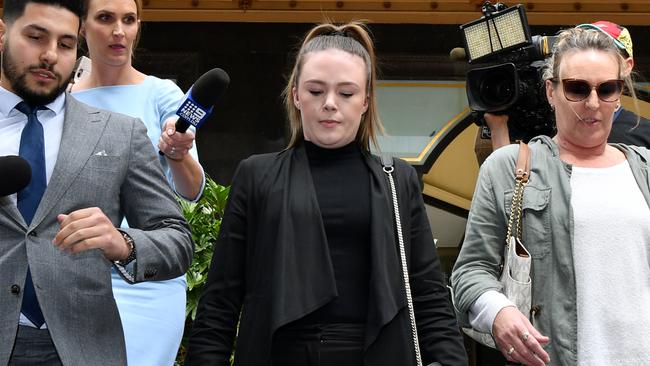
pixel 628 127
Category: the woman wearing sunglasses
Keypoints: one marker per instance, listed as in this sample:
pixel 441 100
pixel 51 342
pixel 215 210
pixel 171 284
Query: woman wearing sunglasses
pixel 586 224
pixel 628 127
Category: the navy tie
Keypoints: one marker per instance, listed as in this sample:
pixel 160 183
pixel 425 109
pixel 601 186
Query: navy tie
pixel 32 149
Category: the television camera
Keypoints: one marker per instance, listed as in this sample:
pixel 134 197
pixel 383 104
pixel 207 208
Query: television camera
pixel 505 76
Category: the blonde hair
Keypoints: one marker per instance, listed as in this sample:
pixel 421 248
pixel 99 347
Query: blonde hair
pixel 354 38
pixel 579 39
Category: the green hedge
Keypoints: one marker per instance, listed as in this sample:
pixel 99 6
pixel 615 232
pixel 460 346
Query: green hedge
pixel 204 218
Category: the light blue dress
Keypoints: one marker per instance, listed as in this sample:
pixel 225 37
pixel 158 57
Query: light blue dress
pixel 152 313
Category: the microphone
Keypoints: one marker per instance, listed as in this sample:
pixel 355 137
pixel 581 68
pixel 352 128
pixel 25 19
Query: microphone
pixel 199 100
pixel 201 97
pixel 458 54
pixel 576 113
pixel 17 173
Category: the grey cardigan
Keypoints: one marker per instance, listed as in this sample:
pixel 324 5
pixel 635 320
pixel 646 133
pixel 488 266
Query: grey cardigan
pixel 547 233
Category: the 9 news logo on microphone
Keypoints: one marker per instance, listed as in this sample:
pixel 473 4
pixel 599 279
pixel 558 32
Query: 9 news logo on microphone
pixel 192 112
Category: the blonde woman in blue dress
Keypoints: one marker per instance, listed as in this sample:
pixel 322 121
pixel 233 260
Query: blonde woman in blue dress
pixel 153 313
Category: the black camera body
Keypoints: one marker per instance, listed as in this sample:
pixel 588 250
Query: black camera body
pixel 509 80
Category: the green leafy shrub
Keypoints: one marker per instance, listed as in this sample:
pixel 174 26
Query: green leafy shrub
pixel 204 218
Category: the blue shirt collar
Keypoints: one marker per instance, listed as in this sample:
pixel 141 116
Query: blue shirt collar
pixel 8 101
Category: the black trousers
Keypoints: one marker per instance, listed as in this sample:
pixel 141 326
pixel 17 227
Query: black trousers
pixel 34 347
pixel 319 345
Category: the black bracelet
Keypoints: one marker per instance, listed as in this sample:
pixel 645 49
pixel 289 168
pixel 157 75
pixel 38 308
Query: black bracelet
pixel 131 257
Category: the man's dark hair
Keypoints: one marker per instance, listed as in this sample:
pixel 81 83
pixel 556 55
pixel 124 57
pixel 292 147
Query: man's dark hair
pixel 14 9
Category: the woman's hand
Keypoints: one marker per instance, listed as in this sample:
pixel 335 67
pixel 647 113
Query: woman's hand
pixel 174 144
pixel 187 173
pixel 517 339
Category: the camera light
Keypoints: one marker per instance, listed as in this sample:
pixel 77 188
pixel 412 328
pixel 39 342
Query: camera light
pixel 496 33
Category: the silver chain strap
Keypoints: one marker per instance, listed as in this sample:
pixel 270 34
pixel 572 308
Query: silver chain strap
pixel 405 273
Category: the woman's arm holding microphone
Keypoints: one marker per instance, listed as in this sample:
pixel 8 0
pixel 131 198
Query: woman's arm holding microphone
pixel 186 171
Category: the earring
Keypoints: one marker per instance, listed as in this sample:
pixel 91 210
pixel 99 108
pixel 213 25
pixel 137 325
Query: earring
pixel 552 106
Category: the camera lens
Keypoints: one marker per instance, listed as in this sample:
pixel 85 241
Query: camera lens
pixel 497 89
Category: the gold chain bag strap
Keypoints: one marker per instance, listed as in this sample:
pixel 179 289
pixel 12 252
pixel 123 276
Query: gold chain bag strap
pixel 515 277
pixel 515 273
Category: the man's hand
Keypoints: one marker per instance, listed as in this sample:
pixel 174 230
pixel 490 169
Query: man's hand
pixel 89 228
pixel 498 125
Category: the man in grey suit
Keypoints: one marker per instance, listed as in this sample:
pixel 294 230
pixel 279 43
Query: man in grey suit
pixel 90 169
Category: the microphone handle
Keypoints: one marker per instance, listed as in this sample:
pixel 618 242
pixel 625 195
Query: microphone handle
pixel 181 126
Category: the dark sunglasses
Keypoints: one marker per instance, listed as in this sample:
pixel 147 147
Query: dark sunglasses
pixel 577 90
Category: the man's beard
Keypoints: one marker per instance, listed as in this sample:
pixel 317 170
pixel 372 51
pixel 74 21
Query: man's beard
pixel 19 85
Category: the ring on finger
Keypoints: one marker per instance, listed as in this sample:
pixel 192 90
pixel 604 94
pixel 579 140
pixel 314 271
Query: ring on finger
pixel 510 350
pixel 524 337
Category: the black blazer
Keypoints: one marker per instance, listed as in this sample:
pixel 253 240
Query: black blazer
pixel 271 261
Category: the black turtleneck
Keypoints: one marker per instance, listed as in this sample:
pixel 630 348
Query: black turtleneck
pixel 342 180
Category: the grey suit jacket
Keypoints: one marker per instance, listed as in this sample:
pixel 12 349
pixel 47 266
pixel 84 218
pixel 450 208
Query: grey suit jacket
pixel 106 161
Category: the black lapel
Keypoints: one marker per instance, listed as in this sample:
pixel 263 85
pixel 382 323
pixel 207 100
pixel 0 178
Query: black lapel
pixel 386 297
pixel 304 276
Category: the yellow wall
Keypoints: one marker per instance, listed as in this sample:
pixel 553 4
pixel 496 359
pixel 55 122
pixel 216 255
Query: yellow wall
pixel 452 177
pixel 643 107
